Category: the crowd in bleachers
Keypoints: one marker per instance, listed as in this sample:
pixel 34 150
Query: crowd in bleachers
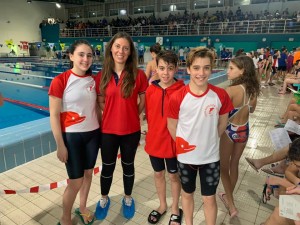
pixel 183 18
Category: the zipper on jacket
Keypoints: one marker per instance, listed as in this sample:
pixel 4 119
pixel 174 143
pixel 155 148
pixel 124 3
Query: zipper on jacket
pixel 162 102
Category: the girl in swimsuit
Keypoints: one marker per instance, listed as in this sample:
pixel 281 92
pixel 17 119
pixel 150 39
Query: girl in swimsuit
pixel 243 93
pixel 152 65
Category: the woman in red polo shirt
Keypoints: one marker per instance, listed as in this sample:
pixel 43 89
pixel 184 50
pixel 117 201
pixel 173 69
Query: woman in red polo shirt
pixel 122 89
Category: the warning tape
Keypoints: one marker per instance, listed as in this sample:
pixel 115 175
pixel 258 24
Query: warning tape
pixel 46 187
pixel 54 185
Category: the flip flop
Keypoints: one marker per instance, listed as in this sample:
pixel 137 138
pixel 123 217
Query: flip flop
pixel 176 218
pixel 266 193
pixel 157 215
pixel 221 196
pixel 271 172
pixel 81 215
pixel 251 164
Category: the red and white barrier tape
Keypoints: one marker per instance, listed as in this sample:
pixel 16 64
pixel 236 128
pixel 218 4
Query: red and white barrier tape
pixel 46 187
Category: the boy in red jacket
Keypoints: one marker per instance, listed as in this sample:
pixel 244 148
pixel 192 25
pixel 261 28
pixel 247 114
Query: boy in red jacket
pixel 159 144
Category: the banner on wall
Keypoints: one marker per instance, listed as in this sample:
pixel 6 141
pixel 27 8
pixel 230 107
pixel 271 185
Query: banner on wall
pixel 24 45
pixel 62 45
pixel 51 45
pixel 160 40
pixel 9 43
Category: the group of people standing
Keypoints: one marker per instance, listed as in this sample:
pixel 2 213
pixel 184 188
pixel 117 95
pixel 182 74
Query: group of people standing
pixel 186 126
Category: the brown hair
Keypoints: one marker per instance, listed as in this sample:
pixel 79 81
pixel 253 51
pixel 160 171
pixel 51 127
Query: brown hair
pixel 156 48
pixel 249 77
pixel 130 68
pixel 168 56
pixel 200 52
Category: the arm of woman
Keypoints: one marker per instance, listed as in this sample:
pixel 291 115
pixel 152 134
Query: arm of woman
pixel 141 104
pixel 99 110
pixel 291 174
pixel 101 102
pixel 55 109
pixel 172 126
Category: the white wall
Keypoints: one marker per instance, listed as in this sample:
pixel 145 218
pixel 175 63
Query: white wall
pixel 20 21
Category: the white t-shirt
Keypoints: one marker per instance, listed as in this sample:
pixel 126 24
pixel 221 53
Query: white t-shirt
pixel 197 138
pixel 79 95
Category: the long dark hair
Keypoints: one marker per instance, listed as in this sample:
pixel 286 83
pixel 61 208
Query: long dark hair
pixel 130 69
pixel 249 77
pixel 72 50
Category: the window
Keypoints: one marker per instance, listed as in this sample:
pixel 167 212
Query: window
pixel 74 16
pixel 173 7
pixel 138 10
pixel 216 3
pixel 200 4
pixel 149 9
pixel 243 2
pixel 258 1
pixel 181 6
pixel 143 9
pixel 92 14
pixel 113 12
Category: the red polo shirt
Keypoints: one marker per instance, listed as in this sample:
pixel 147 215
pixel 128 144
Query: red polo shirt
pixel 120 115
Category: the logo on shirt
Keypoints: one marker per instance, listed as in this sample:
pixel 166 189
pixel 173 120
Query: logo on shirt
pixel 182 146
pixel 210 110
pixel 91 87
pixel 70 118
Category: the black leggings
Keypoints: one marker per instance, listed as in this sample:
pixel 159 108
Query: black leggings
pixel 83 148
pixel 110 145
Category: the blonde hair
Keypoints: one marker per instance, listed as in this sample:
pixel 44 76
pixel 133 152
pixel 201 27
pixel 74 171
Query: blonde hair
pixel 200 52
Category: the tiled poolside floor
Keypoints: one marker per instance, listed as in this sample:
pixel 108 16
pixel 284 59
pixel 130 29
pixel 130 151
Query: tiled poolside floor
pixel 45 207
